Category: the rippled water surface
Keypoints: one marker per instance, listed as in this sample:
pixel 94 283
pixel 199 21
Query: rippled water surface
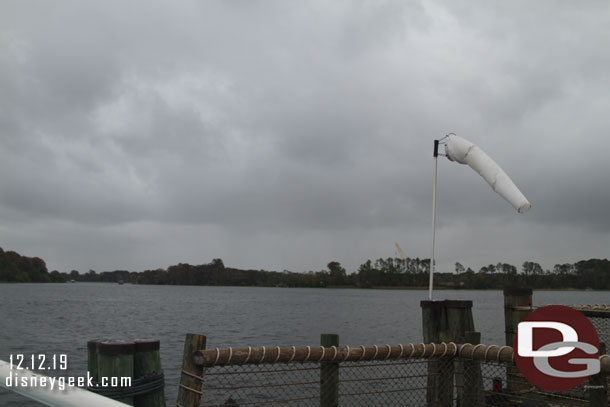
pixel 61 318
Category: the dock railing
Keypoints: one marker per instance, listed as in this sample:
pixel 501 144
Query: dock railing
pixel 378 375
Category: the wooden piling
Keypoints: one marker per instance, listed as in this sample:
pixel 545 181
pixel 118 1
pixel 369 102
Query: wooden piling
pixel 191 378
pixel 470 384
pixel 434 321
pixel 598 385
pixel 451 318
pixel 115 359
pixel 443 387
pixel 517 306
pixel 459 319
pixel 147 363
pixel 444 321
pixel 92 359
pixel 460 324
pixel 329 375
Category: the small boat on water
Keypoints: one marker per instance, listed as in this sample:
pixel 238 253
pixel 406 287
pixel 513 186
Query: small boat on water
pixel 121 282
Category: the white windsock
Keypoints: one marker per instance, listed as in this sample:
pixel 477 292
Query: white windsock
pixel 464 152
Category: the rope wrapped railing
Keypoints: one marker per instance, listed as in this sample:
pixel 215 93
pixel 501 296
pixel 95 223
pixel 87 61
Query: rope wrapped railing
pixel 338 354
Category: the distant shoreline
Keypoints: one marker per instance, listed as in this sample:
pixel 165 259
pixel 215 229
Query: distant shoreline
pixel 341 287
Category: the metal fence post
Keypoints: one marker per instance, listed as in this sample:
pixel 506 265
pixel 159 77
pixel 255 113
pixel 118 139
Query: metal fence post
pixel 329 375
pixel 191 378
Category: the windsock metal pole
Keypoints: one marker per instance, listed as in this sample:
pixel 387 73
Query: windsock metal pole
pixel 432 265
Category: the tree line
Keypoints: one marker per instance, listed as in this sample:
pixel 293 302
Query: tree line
pixel 389 272
pixel 21 269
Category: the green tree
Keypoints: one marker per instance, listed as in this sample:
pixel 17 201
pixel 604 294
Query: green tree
pixel 459 268
pixel 531 268
pixel 337 275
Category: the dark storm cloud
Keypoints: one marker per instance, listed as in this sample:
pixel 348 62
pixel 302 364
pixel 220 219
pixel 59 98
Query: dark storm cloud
pixel 286 135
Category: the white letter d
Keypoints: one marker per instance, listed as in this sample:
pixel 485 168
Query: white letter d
pixel 525 338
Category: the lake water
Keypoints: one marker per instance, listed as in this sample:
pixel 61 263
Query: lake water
pixel 61 318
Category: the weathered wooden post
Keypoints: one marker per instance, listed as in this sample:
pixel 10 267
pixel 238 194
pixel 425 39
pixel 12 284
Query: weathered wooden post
pixel 459 319
pixel 329 375
pixel 434 320
pixel 444 321
pixel 459 323
pixel 471 383
pixel 115 360
pixel 92 359
pixel 452 318
pixel 445 372
pixel 147 363
pixel 598 385
pixel 517 306
pixel 191 378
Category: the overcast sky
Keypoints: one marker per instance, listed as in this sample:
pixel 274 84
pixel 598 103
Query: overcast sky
pixel 284 135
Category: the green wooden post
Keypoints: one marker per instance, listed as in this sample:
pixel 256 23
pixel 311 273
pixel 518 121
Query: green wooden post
pixel 598 385
pixel 517 306
pixel 329 375
pixel 191 378
pixel 92 359
pixel 147 362
pixel 115 359
pixel 470 385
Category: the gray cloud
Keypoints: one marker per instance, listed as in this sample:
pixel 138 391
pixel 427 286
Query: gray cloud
pixel 288 135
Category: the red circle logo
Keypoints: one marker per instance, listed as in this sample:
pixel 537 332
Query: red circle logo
pixel 556 348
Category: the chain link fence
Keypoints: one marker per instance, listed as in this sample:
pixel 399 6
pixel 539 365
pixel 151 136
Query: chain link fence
pixel 456 375
pixel 435 375
pixel 371 383
pixel 599 315
pixel 602 326
pixel 502 385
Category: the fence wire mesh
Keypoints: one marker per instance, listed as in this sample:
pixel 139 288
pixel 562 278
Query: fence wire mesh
pixel 407 382
pixel 434 382
pixel 602 326
pixel 501 384
pixel 370 383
